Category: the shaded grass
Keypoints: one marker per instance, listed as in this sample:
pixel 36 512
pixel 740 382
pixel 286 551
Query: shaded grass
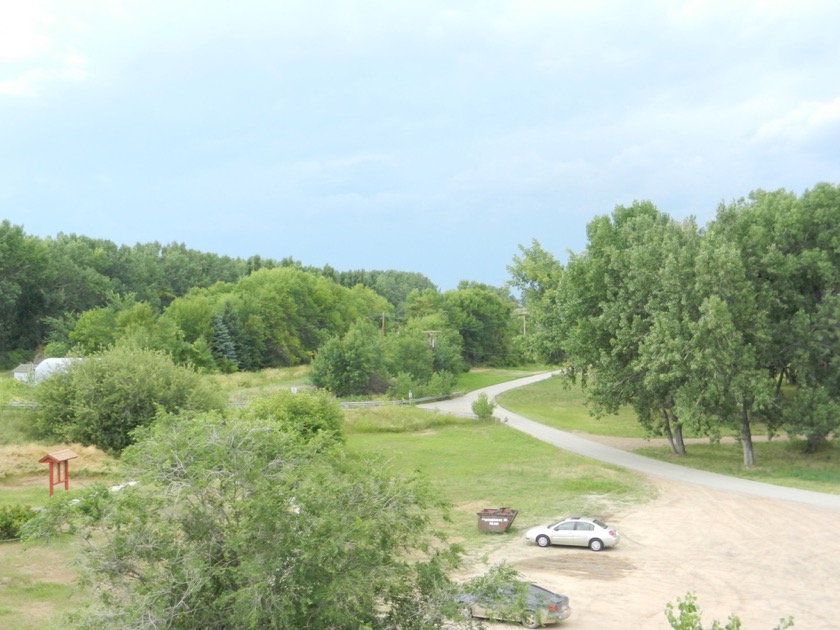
pixel 780 462
pixel 559 403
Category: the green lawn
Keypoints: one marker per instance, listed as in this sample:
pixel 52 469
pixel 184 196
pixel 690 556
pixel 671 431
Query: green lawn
pixel 559 403
pixel 37 584
pixel 478 378
pixel 485 464
pixel 779 462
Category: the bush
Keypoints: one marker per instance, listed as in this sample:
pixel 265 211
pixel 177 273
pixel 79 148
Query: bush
pixel 101 401
pixel 12 518
pixel 687 617
pixel 483 407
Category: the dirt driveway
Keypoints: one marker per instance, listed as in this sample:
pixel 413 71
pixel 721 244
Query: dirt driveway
pixel 760 557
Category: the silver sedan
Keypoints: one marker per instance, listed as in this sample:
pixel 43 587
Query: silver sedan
pixel 578 531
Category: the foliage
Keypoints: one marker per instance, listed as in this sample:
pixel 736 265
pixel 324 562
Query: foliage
pixel 502 590
pixel 24 296
pixel 394 286
pixel 483 407
pixel 403 384
pixel 700 330
pixel 13 518
pixel 536 273
pixel 687 616
pixel 352 364
pixel 238 524
pixel 102 400
pixel 484 320
pixel 308 414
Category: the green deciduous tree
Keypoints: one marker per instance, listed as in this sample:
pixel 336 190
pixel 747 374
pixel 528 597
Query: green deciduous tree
pixel 103 399
pixel 537 274
pixel 352 364
pixel 238 524
pixel 483 318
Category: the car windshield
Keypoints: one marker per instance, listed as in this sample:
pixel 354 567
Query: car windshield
pixel 601 524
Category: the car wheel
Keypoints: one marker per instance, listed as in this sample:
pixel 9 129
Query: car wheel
pixel 543 541
pixel 530 620
pixel 595 544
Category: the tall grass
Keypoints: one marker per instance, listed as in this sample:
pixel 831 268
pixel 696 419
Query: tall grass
pixel 242 387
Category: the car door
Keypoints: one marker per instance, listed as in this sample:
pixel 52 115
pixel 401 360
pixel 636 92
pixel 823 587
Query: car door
pixel 583 533
pixel 563 533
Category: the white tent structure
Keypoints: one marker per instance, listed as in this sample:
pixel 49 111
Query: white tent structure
pixel 48 367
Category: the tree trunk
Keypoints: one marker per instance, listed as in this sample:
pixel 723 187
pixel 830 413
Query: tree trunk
pixel 746 436
pixel 673 431
pixel 666 424
pixel 678 436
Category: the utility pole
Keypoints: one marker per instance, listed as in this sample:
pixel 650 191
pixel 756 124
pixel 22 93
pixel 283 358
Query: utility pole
pixel 524 313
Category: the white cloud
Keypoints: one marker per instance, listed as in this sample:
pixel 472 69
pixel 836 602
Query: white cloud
pixel 73 67
pixel 801 123
pixel 21 29
pixel 39 45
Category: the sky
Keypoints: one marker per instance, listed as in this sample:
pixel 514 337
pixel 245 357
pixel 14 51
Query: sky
pixel 427 136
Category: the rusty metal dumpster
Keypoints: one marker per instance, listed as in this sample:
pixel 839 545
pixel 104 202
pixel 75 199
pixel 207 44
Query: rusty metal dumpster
pixel 496 520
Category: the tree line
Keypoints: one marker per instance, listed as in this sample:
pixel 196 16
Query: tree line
pixel 381 330
pixel 732 326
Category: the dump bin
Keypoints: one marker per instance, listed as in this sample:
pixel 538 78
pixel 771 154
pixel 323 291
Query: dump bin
pixel 496 520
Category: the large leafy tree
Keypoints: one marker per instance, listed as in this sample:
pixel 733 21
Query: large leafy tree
pixel 103 399
pixel 537 274
pixel 484 318
pixel 790 252
pixel 239 523
pixel 619 312
pixel 24 282
pixel 352 364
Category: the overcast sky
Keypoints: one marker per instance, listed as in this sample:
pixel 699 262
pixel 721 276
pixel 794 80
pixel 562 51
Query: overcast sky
pixel 418 135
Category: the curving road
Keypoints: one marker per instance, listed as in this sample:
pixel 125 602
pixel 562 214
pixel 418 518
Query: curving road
pixel 588 448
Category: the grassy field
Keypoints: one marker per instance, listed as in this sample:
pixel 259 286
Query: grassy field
pixel 478 378
pixel 484 464
pixel 558 403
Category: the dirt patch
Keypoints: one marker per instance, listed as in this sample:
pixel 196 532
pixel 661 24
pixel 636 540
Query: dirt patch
pixel 22 459
pixel 757 558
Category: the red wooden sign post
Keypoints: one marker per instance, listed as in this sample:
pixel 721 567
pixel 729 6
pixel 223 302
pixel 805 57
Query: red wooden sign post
pixel 59 467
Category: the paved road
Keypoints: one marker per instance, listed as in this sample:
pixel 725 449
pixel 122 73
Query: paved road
pixel 588 448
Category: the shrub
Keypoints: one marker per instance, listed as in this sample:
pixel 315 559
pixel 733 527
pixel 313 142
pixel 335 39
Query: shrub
pixel 483 407
pixel 12 518
pixel 687 617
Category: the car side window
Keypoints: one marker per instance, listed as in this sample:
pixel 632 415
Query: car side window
pixel 585 526
pixel 565 526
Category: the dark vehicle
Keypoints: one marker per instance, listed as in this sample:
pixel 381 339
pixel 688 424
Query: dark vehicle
pixel 528 604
